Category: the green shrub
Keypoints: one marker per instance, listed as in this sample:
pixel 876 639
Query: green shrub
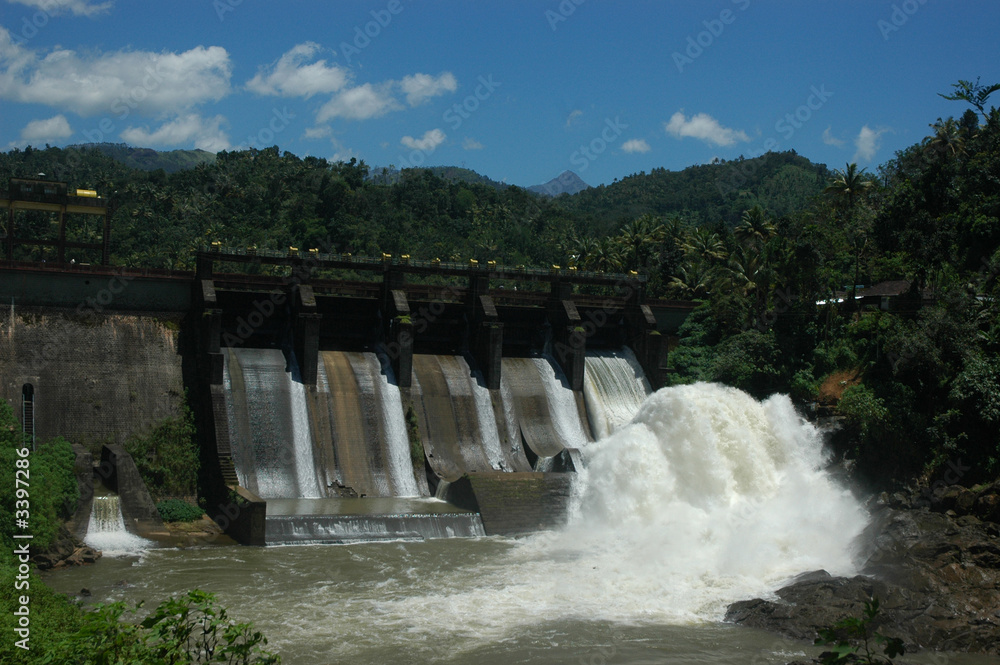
pixel 413 432
pixel 175 510
pixel 167 457
pixel 855 640
pixel 48 484
pixel 863 409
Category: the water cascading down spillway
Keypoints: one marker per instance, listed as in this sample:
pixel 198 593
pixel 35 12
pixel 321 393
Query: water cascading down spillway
pixel 269 425
pixel 546 410
pixel 614 387
pixel 106 529
pixel 299 448
pixel 459 426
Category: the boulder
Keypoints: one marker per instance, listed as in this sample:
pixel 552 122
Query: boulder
pixel 936 575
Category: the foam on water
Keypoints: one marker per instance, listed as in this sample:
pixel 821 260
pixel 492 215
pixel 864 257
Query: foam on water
pixel 705 498
pixel 106 530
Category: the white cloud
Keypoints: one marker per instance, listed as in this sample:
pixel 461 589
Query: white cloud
pixel 56 7
pixel 290 76
pixel 573 117
pixel 830 139
pixel 704 127
pixel 118 83
pixel 317 133
pixel 421 87
pixel 867 143
pixel 360 103
pixel 43 131
pixel 431 139
pixel 635 145
pixel 471 144
pixel 204 133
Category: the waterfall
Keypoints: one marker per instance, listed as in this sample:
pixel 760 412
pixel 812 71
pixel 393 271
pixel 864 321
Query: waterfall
pixel 305 462
pixel 706 497
pixel 614 387
pixel 268 415
pixel 400 466
pixel 106 530
pixel 562 404
pixel 709 496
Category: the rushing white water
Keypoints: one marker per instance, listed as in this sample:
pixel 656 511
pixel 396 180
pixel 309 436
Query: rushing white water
pixel 562 405
pixel 394 421
pixel 274 444
pixel 614 387
pixel 106 530
pixel 705 498
pixel 305 460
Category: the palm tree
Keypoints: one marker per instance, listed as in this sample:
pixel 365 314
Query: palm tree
pixel 606 256
pixel 847 187
pixel 704 245
pixel 755 228
pixel 693 282
pixel 638 239
pixel 948 138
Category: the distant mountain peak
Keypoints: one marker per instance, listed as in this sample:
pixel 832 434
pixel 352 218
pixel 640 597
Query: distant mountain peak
pixel 566 183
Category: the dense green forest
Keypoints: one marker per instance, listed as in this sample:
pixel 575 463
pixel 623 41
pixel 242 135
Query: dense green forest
pixel 768 245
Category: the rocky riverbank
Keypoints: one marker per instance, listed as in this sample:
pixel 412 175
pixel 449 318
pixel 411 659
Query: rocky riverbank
pixel 67 550
pixel 933 560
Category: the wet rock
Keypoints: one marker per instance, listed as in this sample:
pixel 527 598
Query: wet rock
pixel 937 577
pixel 66 550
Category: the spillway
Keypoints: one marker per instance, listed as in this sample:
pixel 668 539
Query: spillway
pixel 270 432
pixel 372 519
pixel 546 410
pixel 458 421
pixel 106 530
pixel 363 425
pixel 292 442
pixel 614 387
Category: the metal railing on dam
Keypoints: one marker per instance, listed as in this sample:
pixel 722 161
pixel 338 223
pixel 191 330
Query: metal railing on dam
pixel 313 259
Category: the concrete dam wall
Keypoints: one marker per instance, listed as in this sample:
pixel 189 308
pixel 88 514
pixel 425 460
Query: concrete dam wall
pixel 327 391
pixel 92 377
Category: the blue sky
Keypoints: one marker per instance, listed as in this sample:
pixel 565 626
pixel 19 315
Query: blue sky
pixel 518 91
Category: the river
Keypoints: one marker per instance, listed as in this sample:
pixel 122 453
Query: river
pixel 706 497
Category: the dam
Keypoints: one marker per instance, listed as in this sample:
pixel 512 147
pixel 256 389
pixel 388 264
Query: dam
pixel 429 400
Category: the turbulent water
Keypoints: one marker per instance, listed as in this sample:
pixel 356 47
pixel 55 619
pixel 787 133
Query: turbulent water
pixel 614 387
pixel 106 529
pixel 706 497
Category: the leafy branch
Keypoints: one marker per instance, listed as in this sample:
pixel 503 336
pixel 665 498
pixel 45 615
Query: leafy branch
pixel 855 637
pixel 974 93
